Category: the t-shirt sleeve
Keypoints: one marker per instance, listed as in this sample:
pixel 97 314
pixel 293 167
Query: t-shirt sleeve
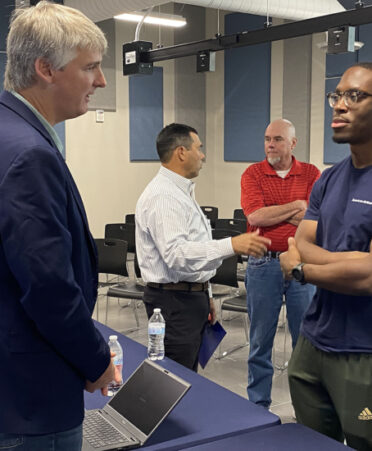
pixel 312 212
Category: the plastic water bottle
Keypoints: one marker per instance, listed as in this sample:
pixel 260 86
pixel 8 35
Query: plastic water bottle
pixel 155 349
pixel 115 347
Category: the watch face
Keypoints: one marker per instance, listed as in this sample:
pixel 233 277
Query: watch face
pixel 298 273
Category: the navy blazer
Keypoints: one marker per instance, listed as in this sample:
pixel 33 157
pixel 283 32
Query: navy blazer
pixel 48 282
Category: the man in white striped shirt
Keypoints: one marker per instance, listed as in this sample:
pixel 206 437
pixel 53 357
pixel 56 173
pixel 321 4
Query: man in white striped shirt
pixel 176 252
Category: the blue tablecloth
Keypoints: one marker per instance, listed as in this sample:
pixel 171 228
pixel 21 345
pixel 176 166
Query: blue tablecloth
pixel 286 437
pixel 207 412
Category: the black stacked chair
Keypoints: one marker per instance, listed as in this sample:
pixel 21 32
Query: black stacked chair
pixel 239 214
pixel 112 257
pixel 231 299
pixel 130 289
pixel 130 218
pixel 233 224
pixel 211 213
pixel 123 231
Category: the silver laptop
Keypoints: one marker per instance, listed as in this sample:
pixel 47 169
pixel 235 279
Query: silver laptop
pixel 136 410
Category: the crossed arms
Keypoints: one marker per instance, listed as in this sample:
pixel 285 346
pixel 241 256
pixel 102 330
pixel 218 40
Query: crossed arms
pixel 342 272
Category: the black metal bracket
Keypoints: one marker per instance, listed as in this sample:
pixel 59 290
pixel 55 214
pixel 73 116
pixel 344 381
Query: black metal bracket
pixel 354 17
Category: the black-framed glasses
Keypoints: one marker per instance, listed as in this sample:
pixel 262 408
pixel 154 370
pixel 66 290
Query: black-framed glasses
pixel 350 97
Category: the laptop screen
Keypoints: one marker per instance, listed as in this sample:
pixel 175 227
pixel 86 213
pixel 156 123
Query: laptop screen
pixel 148 395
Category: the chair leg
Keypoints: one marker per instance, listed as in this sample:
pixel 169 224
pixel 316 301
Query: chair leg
pixel 229 351
pixel 106 309
pixel 284 365
pixel 134 307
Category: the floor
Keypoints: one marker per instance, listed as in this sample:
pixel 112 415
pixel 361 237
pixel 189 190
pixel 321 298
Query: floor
pixel 230 371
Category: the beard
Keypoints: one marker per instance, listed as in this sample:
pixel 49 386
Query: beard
pixel 340 139
pixel 273 160
pixel 352 140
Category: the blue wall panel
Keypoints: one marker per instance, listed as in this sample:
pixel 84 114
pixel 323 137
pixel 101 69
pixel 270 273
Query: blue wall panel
pixel 337 64
pixel 333 152
pixel 6 8
pixel 247 92
pixel 2 69
pixel 365 35
pixel 145 114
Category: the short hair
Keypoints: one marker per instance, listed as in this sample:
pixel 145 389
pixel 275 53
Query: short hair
pixel 172 136
pixel 47 30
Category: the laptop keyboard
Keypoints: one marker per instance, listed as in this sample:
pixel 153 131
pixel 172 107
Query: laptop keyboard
pixel 98 432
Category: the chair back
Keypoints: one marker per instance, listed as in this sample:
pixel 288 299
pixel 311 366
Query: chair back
pixel 226 273
pixel 137 269
pixel 219 234
pixel 234 224
pixel 130 219
pixel 121 231
pixel 211 213
pixel 239 214
pixel 112 256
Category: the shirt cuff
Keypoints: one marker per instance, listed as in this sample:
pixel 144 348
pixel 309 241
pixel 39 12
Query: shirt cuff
pixel 225 247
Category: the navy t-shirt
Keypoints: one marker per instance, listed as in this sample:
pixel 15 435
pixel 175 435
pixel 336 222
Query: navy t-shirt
pixel 341 203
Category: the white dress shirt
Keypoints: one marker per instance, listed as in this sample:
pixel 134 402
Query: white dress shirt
pixel 173 237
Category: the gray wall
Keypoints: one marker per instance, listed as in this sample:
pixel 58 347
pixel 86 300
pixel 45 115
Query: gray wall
pixel 297 90
pixel 190 107
pixel 6 8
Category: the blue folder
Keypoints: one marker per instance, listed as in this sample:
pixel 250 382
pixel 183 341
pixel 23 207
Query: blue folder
pixel 212 337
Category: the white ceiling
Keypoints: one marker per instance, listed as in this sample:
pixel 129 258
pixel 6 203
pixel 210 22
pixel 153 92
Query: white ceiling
pixel 99 10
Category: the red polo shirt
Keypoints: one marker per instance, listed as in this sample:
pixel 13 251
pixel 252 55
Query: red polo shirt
pixel 262 187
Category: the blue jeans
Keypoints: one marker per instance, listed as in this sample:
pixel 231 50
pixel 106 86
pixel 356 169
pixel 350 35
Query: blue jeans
pixel 265 290
pixel 70 440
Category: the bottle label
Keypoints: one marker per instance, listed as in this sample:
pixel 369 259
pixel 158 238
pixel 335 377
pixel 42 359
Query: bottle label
pixel 156 329
pixel 118 360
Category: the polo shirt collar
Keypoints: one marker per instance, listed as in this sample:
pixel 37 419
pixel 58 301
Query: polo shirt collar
pixel 296 168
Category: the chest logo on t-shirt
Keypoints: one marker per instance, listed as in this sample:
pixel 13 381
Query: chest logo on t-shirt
pixel 361 201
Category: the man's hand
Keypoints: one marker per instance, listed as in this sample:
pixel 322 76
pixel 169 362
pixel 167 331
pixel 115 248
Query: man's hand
pixel 297 218
pixel 289 259
pixel 212 317
pixel 301 204
pixel 111 374
pixel 250 244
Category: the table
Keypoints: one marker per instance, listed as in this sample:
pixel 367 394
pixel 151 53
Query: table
pixel 207 412
pixel 286 437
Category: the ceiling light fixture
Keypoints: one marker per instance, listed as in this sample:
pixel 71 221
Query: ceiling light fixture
pixel 167 20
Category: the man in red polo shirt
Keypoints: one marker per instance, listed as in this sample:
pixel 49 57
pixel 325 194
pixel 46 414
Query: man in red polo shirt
pixel 274 197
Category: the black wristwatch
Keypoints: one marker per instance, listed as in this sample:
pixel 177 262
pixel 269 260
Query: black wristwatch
pixel 298 273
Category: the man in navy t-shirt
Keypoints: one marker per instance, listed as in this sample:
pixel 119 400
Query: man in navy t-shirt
pixel 330 372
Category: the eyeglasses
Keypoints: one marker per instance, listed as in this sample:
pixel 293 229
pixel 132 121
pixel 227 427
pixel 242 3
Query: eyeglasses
pixel 350 97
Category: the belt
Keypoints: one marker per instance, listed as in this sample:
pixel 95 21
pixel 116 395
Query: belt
pixel 180 286
pixel 273 254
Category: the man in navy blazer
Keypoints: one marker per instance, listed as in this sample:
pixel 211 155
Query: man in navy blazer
pixel 49 348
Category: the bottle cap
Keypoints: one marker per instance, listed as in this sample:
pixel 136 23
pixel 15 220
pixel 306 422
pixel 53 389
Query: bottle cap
pixel 157 310
pixel 113 337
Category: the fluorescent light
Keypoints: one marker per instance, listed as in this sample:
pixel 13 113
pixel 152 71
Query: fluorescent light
pixel 168 20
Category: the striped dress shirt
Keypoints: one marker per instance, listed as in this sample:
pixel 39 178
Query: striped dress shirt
pixel 173 237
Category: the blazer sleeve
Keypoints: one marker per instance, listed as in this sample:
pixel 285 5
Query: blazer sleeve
pixel 37 241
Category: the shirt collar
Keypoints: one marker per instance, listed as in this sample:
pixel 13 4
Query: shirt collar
pixel 296 168
pixel 182 182
pixel 48 127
